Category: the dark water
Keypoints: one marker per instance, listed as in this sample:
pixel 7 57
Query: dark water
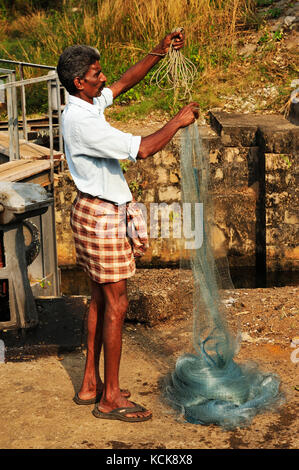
pixel 244 277
pixel 75 282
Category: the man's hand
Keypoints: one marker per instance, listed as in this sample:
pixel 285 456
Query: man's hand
pixel 136 73
pixel 187 115
pixel 178 39
pixel 155 142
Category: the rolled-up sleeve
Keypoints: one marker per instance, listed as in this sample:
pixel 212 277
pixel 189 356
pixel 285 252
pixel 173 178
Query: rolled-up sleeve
pixel 106 98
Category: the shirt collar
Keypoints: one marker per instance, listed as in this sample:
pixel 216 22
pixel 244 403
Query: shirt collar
pixel 93 108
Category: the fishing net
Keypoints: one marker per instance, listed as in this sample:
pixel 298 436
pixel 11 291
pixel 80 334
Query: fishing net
pixel 207 386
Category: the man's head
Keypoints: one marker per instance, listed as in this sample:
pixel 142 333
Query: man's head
pixel 76 65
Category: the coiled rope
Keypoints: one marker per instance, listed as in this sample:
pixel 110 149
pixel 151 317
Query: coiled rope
pixel 177 71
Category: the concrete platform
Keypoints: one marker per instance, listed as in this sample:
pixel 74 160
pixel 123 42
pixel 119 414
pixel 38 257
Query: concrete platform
pixel 44 369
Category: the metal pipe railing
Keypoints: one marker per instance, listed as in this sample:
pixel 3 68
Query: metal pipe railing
pixel 21 66
pixel 10 88
pixel 12 114
pixel 28 64
pixel 29 81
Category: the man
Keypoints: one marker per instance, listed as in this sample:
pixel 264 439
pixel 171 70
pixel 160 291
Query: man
pixel 93 149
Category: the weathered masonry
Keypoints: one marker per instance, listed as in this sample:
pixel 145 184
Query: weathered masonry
pixel 254 175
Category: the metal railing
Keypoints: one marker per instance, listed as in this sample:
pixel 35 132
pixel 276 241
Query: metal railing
pixel 12 113
pixel 48 262
pixel 54 101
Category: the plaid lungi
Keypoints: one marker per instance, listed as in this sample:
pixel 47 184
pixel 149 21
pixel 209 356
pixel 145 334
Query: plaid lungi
pixel 107 237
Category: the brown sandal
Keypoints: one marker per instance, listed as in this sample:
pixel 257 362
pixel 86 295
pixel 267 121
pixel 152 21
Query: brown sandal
pixel 120 414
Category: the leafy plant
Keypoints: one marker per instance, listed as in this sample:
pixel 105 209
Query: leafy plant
pixel 264 38
pixel 124 164
pixel 136 188
pixel 274 12
pixel 264 3
pixel 277 35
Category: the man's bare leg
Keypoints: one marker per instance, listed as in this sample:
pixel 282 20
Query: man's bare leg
pixel 92 383
pixel 116 304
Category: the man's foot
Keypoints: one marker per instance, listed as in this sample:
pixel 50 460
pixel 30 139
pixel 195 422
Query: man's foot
pixel 94 396
pixel 121 409
pixel 131 414
pixel 90 401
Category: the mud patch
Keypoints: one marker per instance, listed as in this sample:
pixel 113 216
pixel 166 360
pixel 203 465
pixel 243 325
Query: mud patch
pixel 279 433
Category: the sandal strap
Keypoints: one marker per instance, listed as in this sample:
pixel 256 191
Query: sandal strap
pixel 130 409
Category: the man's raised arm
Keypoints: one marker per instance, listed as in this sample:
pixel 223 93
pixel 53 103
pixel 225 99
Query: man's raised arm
pixel 138 71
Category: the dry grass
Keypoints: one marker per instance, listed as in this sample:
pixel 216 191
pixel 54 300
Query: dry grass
pixel 123 30
pixel 209 23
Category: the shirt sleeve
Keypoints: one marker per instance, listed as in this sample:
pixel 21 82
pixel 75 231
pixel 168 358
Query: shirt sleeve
pixel 106 98
pixel 94 138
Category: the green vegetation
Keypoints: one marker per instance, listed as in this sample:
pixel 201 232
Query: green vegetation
pixel 274 12
pixel 124 164
pixel 136 188
pixel 38 31
pixel 264 3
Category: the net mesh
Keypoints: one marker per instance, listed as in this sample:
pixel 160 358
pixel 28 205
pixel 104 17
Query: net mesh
pixel 207 386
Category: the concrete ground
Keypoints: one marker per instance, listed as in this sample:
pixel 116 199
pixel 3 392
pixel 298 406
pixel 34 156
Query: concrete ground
pixel 44 369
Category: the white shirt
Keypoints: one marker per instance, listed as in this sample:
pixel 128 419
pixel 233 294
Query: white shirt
pixel 93 148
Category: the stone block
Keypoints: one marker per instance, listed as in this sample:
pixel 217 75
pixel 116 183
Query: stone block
pixel 272 132
pixel 282 257
pixel 235 168
pixel 169 194
pixel 235 218
pixel 162 175
pixel 148 195
pixel 234 129
pixel 291 217
pixel 159 294
pixel 168 159
pixel 280 138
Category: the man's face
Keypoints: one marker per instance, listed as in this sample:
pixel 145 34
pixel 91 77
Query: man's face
pixel 92 84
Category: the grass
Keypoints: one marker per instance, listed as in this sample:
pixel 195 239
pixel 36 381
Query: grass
pixel 125 31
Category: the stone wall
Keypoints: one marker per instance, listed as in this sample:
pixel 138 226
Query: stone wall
pixel 253 183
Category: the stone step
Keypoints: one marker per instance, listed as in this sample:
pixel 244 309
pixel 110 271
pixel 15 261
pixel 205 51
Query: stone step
pixel 272 132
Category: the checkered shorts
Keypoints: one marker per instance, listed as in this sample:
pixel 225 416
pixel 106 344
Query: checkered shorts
pixel 107 237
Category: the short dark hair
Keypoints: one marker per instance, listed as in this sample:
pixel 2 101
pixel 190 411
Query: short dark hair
pixel 75 62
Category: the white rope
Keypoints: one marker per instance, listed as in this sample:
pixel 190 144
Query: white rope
pixel 177 70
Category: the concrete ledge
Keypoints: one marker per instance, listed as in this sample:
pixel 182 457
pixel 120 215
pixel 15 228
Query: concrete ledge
pixel 272 131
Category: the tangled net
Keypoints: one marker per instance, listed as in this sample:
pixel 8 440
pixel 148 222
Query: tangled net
pixel 177 70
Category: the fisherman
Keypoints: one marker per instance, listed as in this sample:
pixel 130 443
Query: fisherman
pixel 93 149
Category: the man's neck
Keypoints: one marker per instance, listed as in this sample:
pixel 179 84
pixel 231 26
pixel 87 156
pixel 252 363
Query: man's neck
pixel 83 97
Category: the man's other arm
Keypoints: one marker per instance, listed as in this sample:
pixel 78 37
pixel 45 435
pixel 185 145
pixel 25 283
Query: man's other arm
pixel 155 142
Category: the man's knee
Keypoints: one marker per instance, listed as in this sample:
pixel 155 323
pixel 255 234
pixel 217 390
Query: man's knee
pixel 123 305
pixel 116 300
pixel 117 309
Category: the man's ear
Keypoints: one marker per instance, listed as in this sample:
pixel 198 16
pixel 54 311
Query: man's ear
pixel 78 83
